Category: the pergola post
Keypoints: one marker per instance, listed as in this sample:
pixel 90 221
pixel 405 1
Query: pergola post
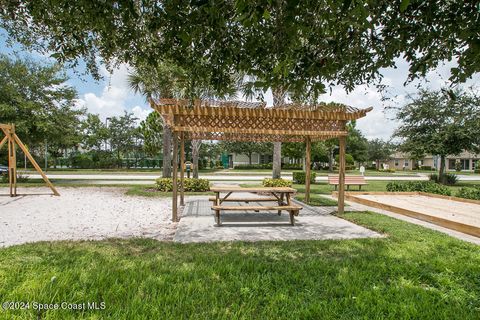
pixel 307 169
pixel 182 169
pixel 175 177
pixel 341 175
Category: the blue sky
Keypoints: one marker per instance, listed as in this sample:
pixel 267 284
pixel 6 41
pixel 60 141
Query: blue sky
pixel 111 96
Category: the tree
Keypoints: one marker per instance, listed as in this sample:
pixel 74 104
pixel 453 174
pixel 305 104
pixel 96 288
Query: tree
pixel 151 130
pixel 166 80
pixel 379 150
pixel 94 133
pixel 357 144
pixel 443 122
pixel 247 148
pixel 37 99
pixel 124 135
pixel 321 42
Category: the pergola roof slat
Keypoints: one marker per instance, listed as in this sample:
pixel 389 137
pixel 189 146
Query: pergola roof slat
pixel 239 120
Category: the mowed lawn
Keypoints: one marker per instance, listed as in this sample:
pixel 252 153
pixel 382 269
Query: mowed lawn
pixel 412 273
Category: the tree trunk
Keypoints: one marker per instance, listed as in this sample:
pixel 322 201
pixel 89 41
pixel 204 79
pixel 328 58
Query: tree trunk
pixel 250 159
pixel 167 152
pixel 278 100
pixel 330 161
pixel 195 155
pixel 377 164
pixel 441 171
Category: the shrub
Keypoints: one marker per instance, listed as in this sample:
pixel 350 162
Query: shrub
pixel 269 182
pixel 477 170
pixel 448 178
pixel 458 166
pixel 425 167
pixel 299 177
pixel 387 170
pixel 191 184
pixel 419 186
pixel 292 166
pixel 196 185
pixel 469 193
pixel 254 166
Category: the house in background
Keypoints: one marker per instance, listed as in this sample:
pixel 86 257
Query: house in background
pixel 402 161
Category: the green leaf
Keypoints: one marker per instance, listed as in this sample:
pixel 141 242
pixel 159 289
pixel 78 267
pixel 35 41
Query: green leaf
pixel 404 5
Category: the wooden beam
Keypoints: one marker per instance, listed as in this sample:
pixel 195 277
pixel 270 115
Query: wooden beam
pixel 182 169
pixel 341 175
pixel 12 162
pixel 4 140
pixel 175 177
pixel 307 169
pixel 5 126
pixel 288 132
pixel 35 165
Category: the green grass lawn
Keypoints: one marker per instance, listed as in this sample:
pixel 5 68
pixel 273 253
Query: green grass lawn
pixel 413 273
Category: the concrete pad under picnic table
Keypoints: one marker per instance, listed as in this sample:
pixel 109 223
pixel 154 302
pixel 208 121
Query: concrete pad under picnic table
pixel 197 224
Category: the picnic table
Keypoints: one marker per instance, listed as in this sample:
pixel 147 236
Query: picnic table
pixel 281 196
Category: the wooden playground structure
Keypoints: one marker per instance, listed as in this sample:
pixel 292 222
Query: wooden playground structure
pixel 11 139
pixel 253 121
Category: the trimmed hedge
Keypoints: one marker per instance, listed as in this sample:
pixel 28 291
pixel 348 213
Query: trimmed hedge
pixel 292 166
pixel 269 182
pixel 299 177
pixel 190 184
pixel 469 193
pixel 420 186
pixel 253 166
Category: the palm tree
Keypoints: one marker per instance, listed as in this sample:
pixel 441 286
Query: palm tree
pixel 170 81
pixel 166 81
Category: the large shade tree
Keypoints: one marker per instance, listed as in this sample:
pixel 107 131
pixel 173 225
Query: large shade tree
pixel 442 122
pixel 322 42
pixel 36 97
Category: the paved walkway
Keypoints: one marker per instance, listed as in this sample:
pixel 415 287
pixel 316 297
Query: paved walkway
pixel 314 223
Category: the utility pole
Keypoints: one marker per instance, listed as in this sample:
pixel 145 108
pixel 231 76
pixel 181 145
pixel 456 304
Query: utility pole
pixel 46 155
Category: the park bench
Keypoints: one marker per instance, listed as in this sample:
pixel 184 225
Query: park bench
pixel 349 180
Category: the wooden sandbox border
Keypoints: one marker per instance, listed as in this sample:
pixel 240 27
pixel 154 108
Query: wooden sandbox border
pixel 457 226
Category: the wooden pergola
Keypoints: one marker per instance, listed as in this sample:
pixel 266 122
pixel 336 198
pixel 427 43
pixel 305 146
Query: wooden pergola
pixel 253 121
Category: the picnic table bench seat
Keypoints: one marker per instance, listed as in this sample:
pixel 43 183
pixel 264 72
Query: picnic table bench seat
pixel 349 180
pixel 280 195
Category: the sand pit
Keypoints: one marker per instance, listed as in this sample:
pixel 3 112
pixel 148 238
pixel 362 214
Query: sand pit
pixel 449 213
pixel 82 213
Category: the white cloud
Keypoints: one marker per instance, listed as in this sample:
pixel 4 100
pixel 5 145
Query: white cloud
pixel 115 98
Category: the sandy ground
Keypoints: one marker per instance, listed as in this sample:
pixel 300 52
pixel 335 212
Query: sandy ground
pixel 81 213
pixel 468 213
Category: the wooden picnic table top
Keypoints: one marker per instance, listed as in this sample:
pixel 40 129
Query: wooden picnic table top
pixel 253 189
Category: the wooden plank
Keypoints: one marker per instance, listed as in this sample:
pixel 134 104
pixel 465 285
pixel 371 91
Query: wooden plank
pixel 12 162
pixel 449 224
pixel 228 129
pixel 245 199
pixel 291 207
pixel 175 177
pixel 341 175
pixel 253 189
pixel 4 126
pixel 182 169
pixel 4 140
pixel 307 169
pixel 35 165
pixel 449 197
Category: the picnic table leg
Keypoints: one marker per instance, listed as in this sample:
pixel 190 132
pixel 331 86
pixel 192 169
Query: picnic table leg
pixel 292 217
pixel 280 202
pixel 217 212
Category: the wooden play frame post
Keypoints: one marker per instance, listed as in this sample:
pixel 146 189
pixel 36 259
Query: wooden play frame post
pixel 12 140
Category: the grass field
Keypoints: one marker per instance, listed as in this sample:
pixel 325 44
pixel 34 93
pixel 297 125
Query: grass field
pixel 413 273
